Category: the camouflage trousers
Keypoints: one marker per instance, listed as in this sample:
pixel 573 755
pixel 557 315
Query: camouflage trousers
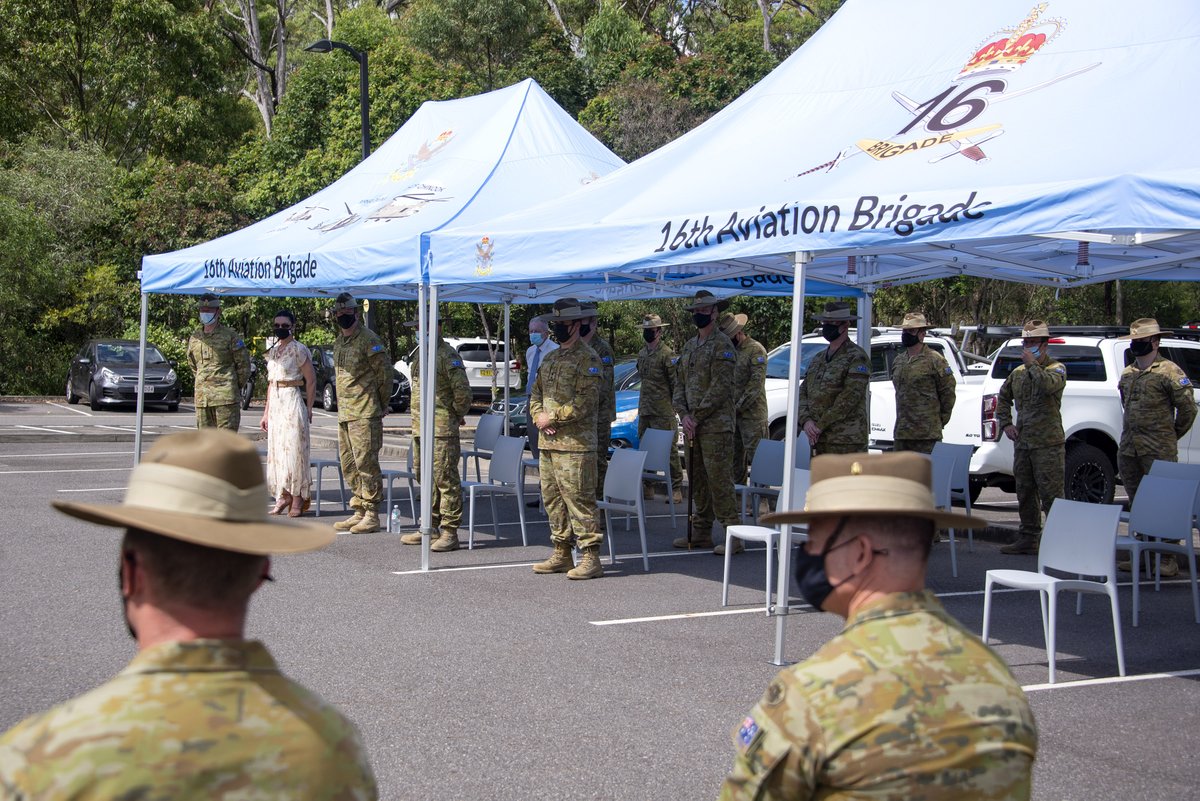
pixel 824 446
pixel 745 442
pixel 1135 466
pixel 445 497
pixel 569 496
pixel 228 416
pixel 603 438
pixel 665 424
pixel 1039 478
pixel 918 445
pixel 710 463
pixel 359 442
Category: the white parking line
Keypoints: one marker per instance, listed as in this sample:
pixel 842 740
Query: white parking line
pixel 117 428
pixel 71 409
pixel 1171 674
pixel 94 489
pixel 43 428
pixel 74 470
pixel 53 455
pixel 685 616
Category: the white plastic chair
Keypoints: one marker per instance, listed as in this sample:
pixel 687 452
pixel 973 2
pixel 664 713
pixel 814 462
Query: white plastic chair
pixel 803 452
pixel 390 476
pixel 1183 470
pixel 765 478
pixel 1078 538
pixel 504 478
pixel 486 431
pixel 960 478
pixel 942 477
pixel 623 493
pixel 1162 511
pixel 319 465
pixel 657 443
pixel 768 536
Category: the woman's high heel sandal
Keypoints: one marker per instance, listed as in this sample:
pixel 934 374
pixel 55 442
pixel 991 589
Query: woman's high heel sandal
pixel 281 504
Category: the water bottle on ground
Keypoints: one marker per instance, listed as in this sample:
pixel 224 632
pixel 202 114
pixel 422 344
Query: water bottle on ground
pixel 394 520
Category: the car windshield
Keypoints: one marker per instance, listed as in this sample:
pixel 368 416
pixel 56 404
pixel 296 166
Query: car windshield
pixel 126 354
pixel 1083 362
pixel 778 360
pixel 626 376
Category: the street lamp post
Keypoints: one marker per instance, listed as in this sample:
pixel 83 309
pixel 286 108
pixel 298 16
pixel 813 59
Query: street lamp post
pixel 364 104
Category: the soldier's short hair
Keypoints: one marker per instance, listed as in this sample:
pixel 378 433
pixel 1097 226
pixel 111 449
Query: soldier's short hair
pixel 196 575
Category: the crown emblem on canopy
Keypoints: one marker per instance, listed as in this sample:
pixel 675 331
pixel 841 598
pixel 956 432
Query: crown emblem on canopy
pixel 1009 48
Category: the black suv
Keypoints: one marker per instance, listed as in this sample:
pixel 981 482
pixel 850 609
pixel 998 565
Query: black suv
pixel 322 356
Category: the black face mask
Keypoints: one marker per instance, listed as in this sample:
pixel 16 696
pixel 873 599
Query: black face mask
pixel 345 320
pixel 585 329
pixel 561 331
pixel 283 331
pixel 701 320
pixel 831 331
pixel 648 334
pixel 908 339
pixel 814 583
pixel 1140 347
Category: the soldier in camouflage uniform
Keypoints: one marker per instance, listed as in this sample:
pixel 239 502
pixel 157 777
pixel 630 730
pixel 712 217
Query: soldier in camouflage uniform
pixel 749 393
pixel 221 366
pixel 606 408
pixel 656 368
pixel 1159 410
pixel 200 712
pixel 832 406
pixel 1039 452
pixel 452 401
pixel 924 389
pixel 562 404
pixel 364 389
pixel 703 400
pixel 905 702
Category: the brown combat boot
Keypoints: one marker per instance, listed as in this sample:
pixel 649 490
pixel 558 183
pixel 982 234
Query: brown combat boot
pixel 349 522
pixel 677 496
pixel 1169 568
pixel 411 538
pixel 1025 544
pixel 367 524
pixel 448 541
pixel 648 492
pixel 699 540
pixel 738 547
pixel 589 566
pixel 559 562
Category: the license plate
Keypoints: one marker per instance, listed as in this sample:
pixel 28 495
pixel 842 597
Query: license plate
pixel 486 371
pixel 147 388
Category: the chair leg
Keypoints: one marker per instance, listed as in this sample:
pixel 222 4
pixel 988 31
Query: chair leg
pixel 641 510
pixel 495 517
pixel 317 499
pixel 987 608
pixel 728 557
pixel 953 554
pixel 770 571
pixel 1135 569
pixel 521 514
pixel 470 518
pixel 970 531
pixel 612 554
pixel 388 506
pixel 342 484
pixel 671 502
pixel 1116 619
pixel 1051 646
pixel 412 502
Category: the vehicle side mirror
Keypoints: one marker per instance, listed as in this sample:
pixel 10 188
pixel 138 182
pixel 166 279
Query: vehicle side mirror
pixel 173 362
pixel 85 360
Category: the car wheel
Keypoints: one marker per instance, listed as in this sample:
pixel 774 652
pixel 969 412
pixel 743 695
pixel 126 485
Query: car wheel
pixel 173 407
pixel 93 396
pixel 1090 475
pixel 328 398
pixel 976 487
pixel 247 393
pixel 72 398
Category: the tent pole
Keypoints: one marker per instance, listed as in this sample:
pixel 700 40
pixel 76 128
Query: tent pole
pixel 426 470
pixel 866 321
pixel 141 395
pixel 786 501
pixel 507 356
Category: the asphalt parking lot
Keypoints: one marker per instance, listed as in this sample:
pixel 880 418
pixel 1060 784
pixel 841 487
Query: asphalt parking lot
pixel 481 680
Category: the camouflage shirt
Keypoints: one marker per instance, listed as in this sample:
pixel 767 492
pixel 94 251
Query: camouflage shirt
pixel 364 375
pixel 904 704
pixel 1037 390
pixel 606 406
pixel 656 369
pixel 567 388
pixel 924 394
pixel 704 383
pixel 1159 408
pixel 221 365
pixel 452 392
pixel 833 395
pixel 750 382
pixel 208 719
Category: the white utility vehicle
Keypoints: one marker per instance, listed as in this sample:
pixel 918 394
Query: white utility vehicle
pixel 482 372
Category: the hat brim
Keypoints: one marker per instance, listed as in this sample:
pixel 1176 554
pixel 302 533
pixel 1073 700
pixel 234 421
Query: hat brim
pixel 257 538
pixel 721 304
pixel 655 325
pixel 570 318
pixel 1142 336
pixel 839 318
pixel 941 519
pixel 915 327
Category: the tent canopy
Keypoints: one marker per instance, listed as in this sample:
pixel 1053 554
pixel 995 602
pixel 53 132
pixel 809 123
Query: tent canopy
pixel 929 138
pixel 468 161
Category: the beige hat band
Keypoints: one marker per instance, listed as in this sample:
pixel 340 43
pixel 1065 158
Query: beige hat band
pixel 858 495
pixel 168 488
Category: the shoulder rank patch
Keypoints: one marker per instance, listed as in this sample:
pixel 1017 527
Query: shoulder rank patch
pixel 1185 382
pixel 606 359
pixel 376 348
pixel 593 371
pixel 747 732
pixel 859 368
pixel 760 359
pixel 239 344
pixel 727 354
pixel 1060 370
pixel 456 363
pixel 674 360
pixel 948 370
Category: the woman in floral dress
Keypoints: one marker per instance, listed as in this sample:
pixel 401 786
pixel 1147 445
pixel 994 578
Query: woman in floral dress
pixel 291 389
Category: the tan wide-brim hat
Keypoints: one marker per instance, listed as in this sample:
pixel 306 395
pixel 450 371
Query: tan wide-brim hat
pixel 208 301
pixel 568 310
pixel 914 320
pixel 706 298
pixel 732 323
pixel 653 321
pixel 1142 328
pixel 345 303
pixel 837 312
pixel 880 485
pixel 1035 328
pixel 205 487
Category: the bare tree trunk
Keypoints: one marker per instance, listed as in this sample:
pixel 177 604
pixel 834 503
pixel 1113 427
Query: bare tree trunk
pixel 572 39
pixel 267 56
pixel 487 335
